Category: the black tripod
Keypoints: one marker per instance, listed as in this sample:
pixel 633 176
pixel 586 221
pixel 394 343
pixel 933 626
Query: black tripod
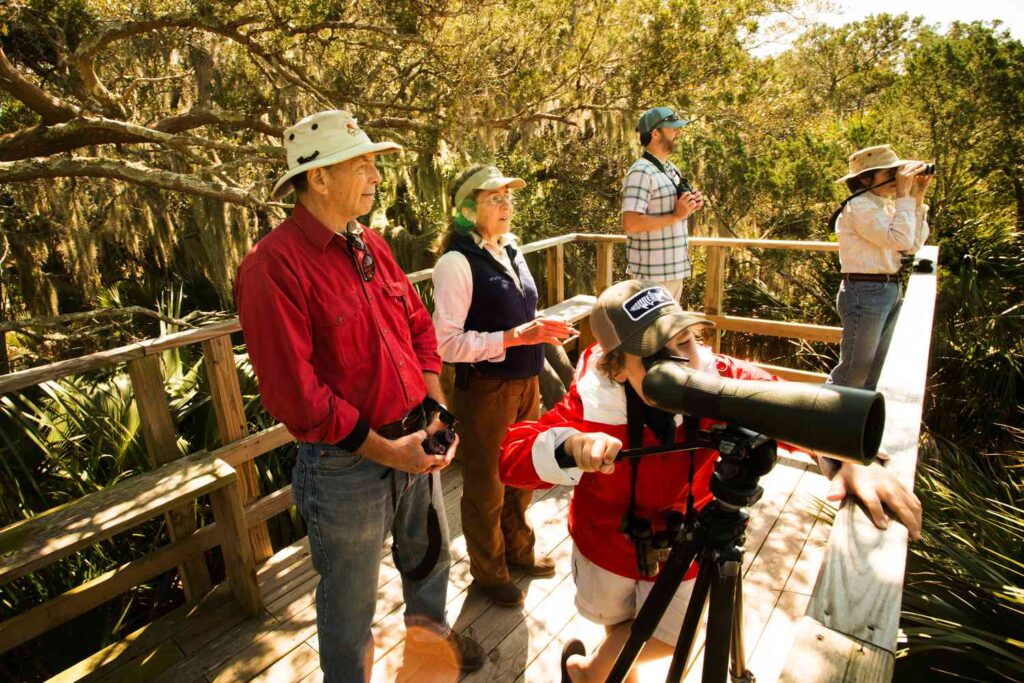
pixel 714 537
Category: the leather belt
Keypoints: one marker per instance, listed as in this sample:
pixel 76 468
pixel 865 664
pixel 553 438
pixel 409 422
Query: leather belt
pixel 872 277
pixel 414 420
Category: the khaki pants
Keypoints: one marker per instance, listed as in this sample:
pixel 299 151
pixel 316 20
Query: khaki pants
pixel 493 515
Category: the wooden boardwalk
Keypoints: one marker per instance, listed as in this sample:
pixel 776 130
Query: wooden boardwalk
pixel 213 641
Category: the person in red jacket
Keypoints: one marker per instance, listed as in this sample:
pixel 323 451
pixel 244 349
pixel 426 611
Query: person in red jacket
pixel 632 320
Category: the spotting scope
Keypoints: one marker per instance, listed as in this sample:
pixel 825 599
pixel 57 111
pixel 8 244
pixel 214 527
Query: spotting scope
pixel 824 419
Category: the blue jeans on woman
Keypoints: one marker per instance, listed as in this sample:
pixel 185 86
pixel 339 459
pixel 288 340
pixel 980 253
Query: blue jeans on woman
pixel 350 506
pixel 868 311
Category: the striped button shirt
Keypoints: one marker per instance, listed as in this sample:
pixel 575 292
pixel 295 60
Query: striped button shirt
pixel 660 254
pixel 873 232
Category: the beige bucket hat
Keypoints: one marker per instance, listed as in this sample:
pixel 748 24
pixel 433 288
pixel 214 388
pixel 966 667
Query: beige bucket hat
pixel 638 316
pixel 325 139
pixel 873 159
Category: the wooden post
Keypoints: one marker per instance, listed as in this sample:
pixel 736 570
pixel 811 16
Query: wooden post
pixel 714 290
pixel 161 440
pixel 219 359
pixel 238 561
pixel 604 266
pixel 556 274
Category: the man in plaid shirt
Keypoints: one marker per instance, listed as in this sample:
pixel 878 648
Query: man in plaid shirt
pixel 656 200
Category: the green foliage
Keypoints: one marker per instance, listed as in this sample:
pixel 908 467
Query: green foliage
pixel 549 91
pixel 963 599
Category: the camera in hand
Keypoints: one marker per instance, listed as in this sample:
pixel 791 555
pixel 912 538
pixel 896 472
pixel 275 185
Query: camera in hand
pixel 683 186
pixel 439 443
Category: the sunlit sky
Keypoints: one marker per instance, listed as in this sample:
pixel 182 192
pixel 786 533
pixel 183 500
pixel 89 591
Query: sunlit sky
pixel 942 12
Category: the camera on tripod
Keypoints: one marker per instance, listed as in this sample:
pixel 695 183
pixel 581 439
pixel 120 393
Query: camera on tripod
pixel 840 422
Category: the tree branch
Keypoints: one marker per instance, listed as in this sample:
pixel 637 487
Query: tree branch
pixel 87 167
pixel 61 320
pixel 87 132
pixel 49 108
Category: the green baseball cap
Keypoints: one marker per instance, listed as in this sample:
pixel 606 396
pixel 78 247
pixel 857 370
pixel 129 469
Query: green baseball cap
pixel 659 117
pixel 639 316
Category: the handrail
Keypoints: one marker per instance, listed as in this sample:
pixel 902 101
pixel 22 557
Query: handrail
pixel 852 620
pixel 25 378
pixel 743 243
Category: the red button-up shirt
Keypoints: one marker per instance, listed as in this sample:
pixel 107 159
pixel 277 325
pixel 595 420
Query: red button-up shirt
pixel 328 348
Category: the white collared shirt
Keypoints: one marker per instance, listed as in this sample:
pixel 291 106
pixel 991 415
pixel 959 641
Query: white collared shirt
pixel 453 294
pixel 874 231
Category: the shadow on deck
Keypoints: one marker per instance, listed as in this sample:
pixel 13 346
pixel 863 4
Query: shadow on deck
pixel 214 641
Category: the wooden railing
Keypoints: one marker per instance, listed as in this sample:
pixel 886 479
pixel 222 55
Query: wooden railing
pixel 849 633
pixel 239 449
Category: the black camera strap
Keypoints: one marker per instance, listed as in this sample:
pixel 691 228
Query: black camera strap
pixel 682 186
pixel 842 205
pixel 421 571
pixel 638 416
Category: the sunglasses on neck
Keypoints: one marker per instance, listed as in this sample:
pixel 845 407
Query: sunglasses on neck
pixel 363 258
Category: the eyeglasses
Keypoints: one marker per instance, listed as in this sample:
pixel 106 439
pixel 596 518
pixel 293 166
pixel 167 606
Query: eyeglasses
pixel 497 200
pixel 363 258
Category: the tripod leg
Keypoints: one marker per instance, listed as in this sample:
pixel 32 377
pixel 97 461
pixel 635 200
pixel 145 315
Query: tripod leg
pixel 672 573
pixel 740 673
pixel 720 615
pixel 694 610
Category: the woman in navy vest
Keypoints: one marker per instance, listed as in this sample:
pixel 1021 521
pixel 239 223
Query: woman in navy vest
pixel 485 314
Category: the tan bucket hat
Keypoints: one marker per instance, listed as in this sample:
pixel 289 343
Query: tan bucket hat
pixel 872 159
pixel 638 316
pixel 324 139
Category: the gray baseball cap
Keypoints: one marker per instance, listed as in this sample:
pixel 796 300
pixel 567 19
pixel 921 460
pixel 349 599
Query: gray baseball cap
pixel 639 316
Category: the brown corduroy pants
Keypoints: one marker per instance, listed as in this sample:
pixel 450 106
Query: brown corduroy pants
pixel 493 515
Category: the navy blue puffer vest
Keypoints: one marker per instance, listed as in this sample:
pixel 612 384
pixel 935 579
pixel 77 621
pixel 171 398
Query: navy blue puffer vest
pixel 499 305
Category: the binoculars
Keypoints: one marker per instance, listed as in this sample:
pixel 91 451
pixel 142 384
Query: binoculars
pixel 439 443
pixel 652 547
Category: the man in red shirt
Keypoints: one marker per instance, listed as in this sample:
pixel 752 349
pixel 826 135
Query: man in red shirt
pixel 346 358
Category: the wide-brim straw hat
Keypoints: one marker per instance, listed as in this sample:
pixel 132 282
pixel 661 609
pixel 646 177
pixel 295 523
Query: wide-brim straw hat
pixel 873 159
pixel 324 139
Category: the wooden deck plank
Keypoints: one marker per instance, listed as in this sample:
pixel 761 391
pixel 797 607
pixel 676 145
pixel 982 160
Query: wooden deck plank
pixel 767 658
pixel 294 666
pixel 545 666
pixel 143 643
pixel 218 644
pixel 285 636
pixel 779 553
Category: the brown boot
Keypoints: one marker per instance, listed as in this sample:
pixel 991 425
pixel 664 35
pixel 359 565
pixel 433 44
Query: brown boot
pixel 504 594
pixel 541 566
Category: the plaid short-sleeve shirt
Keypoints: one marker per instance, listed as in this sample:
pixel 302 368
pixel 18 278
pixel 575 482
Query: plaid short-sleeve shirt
pixel 661 254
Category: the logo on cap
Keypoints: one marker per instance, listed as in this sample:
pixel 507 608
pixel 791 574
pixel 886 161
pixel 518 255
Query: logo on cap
pixel 645 301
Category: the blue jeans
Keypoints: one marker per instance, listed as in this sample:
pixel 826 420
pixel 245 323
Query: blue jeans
pixel 869 311
pixel 350 505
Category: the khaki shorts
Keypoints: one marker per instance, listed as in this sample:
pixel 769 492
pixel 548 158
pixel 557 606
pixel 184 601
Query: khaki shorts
pixel 607 598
